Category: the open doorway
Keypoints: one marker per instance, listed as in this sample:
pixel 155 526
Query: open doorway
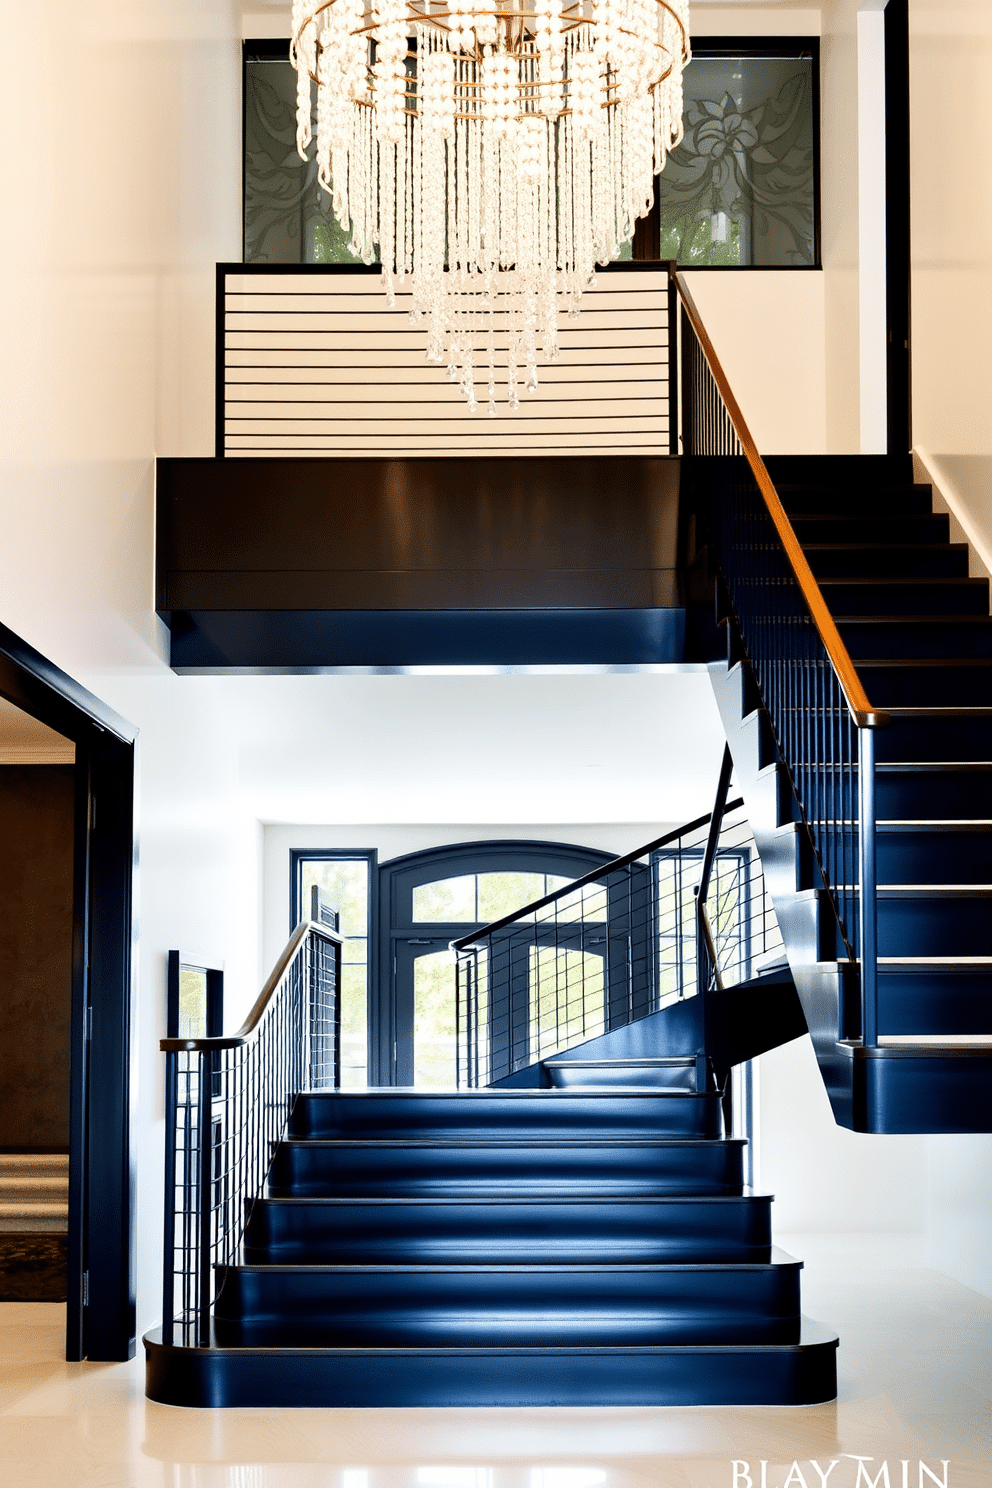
pixel 37 808
pixel 46 705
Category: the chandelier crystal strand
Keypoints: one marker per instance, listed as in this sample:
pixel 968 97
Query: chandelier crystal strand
pixel 490 153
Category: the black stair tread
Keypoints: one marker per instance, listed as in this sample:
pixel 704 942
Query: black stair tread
pixel 909 620
pixel 874 581
pixel 662 1062
pixel 482 1201
pixel 975 663
pixel 936 767
pixel 488 1143
pixel 935 890
pixel 919 529
pixel 868 516
pixel 932 1050
pixel 869 547
pixel 893 767
pixel 981 1041
pixel 812 1333
pixel 779 1261
pixel 894 825
pixel 942 962
pixel 405 1092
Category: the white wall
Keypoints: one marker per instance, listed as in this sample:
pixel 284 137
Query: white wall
pixel 959 1209
pixel 791 343
pixel 120 194
pixel 768 330
pixel 950 58
pixel 824 1177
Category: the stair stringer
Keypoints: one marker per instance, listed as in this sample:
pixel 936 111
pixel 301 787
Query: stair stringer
pixel 826 986
pixel 877 1090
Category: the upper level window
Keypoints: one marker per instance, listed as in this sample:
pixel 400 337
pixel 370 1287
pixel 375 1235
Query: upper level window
pixel 741 191
pixel 288 217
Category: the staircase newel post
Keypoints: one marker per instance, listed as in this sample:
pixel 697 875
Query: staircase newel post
pixel 204 1122
pixel 458 1020
pixel 169 1243
pixel 868 897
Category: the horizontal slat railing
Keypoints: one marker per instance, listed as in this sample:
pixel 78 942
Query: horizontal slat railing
pixel 227 1101
pixel 312 360
pixel 819 710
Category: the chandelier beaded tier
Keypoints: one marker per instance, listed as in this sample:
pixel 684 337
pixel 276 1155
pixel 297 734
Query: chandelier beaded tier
pixel 493 150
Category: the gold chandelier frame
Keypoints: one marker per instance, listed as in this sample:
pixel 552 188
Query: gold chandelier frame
pixel 513 23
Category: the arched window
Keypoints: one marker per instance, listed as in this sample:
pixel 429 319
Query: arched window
pixel 428 899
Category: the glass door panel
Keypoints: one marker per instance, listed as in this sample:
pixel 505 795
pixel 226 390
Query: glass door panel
pixel 425 1013
pixel 434 1019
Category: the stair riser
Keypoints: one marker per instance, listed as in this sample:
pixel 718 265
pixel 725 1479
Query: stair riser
pixel 415 1378
pixel 678 1075
pixel 396 1117
pixel 928 1093
pixel 308 1170
pixel 934 795
pixel 448 1309
pixel 934 857
pixel 907 598
pixel 897 528
pixel 885 505
pixel 934 686
pixel 483 1234
pixel 934 927
pixel 886 639
pixel 935 739
pixel 896 562
pixel 860 473
pixel 937 1002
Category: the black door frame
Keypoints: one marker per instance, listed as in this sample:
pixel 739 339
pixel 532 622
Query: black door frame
pixel 100 1313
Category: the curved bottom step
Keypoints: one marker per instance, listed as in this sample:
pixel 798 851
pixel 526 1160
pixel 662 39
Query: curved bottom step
pixel 803 1373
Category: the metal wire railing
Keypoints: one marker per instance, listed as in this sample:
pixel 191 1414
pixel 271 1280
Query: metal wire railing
pixel 227 1102
pixel 821 717
pixel 610 948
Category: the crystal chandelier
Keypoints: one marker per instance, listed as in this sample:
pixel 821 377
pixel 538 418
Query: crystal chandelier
pixel 494 150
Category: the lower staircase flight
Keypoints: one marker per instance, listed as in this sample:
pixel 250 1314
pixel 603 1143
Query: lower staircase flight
pixel 587 1245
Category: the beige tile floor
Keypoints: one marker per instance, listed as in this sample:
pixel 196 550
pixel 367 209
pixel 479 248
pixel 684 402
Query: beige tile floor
pixel 915 1383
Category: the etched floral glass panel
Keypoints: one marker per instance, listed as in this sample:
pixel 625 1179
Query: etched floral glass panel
pixel 740 190
pixel 288 217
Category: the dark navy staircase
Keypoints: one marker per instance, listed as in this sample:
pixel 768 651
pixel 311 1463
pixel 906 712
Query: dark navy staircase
pixel 918 630
pixel 593 1244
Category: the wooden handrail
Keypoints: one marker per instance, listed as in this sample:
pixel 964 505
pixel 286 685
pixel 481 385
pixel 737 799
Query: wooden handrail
pixel 864 715
pixel 248 1027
